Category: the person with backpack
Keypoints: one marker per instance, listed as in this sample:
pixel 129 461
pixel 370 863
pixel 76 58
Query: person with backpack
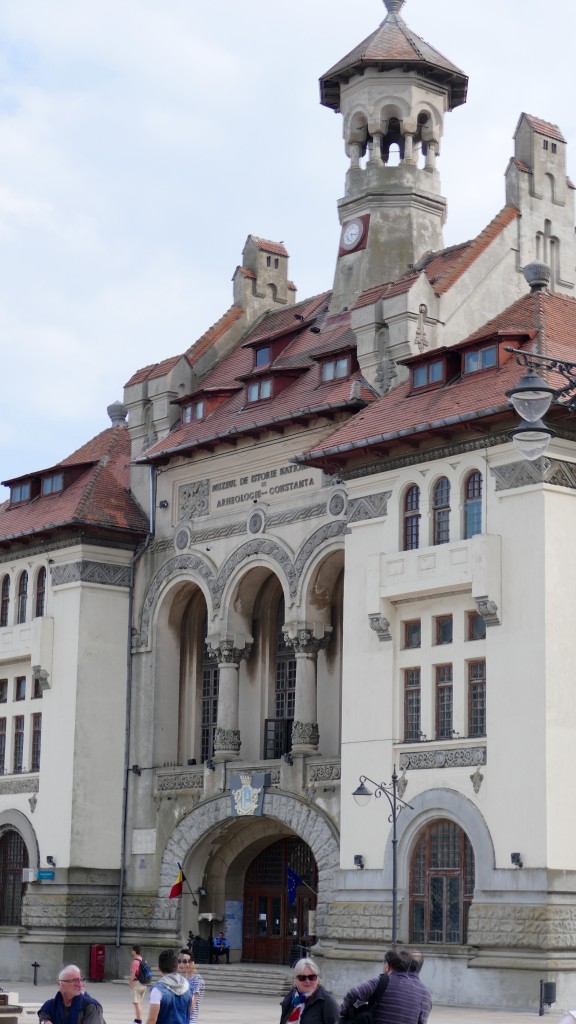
pixel 308 1000
pixel 140 975
pixel 170 998
pixel 400 1000
pixel 71 1005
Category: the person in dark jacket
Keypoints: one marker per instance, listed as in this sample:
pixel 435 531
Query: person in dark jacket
pixel 307 1000
pixel 405 1001
pixel 71 1004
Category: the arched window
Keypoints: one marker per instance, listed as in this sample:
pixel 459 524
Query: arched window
pixel 411 531
pixel 210 680
pixel 279 728
pixel 441 884
pixel 40 592
pixel 441 511
pixel 13 858
pixel 5 601
pixel 22 597
pixel 473 504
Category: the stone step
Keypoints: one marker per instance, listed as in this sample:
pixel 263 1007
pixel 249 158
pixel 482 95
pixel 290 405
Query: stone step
pixel 263 979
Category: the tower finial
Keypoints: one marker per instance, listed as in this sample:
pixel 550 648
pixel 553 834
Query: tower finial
pixel 394 6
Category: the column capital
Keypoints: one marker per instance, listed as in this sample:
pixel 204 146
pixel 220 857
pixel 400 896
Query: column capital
pixel 229 648
pixel 226 741
pixel 307 637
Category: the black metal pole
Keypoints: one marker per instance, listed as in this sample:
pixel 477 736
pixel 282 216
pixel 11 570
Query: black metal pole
pixel 394 862
pixel 35 965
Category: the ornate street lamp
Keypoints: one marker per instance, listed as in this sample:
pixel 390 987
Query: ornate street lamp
pixel 362 796
pixel 532 397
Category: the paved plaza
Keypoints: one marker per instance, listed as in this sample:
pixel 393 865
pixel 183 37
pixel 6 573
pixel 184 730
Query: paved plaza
pixel 229 1008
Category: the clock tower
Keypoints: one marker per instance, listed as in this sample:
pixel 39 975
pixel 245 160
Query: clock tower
pixel 393 91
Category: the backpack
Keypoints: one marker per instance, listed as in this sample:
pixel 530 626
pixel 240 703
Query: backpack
pixel 144 975
pixel 363 1014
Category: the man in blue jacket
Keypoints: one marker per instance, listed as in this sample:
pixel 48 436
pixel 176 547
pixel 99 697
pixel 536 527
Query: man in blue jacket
pixel 170 997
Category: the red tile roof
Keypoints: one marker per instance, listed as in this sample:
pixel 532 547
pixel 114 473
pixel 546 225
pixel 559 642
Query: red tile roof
pixel 276 248
pixel 472 250
pixel 543 127
pixel 401 414
pixel 303 396
pixel 392 45
pixel 97 497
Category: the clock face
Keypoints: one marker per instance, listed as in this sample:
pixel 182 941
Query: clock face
pixel 352 234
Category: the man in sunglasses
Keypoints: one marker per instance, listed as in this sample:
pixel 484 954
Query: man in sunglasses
pixel 187 969
pixel 71 1004
pixel 308 999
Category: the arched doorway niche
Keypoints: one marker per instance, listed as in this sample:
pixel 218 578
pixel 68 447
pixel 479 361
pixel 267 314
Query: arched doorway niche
pixel 220 849
pixel 179 629
pixel 18 850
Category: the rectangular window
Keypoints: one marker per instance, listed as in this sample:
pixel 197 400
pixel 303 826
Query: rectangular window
pixel 36 741
pixel 36 689
pixel 477 698
pixel 18 743
pixel 20 688
pixel 480 359
pixel 262 356
pixel 53 483
pixel 545 144
pixel 444 702
pixel 412 633
pixel 260 390
pixel 194 411
pixel 428 373
pixel 443 629
pixel 3 691
pixel 20 492
pixel 475 626
pixel 335 369
pixel 2 745
pixel 412 729
pixel 554 147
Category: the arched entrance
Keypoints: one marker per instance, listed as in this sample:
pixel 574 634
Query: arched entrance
pixel 279 916
pixel 441 884
pixel 13 858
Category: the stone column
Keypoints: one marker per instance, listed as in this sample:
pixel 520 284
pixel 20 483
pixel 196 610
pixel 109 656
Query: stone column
pixel 306 639
pixel 431 156
pixel 229 651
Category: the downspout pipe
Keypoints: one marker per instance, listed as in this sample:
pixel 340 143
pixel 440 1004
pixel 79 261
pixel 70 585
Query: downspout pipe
pixel 136 558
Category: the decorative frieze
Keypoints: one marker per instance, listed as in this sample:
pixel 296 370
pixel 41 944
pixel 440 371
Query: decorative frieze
pixel 194 500
pixel 178 781
pixel 372 506
pixel 18 784
pixel 542 471
pixel 325 771
pixel 446 451
pixel 87 571
pixel 458 757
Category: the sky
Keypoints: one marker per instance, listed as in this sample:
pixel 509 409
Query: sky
pixel 141 141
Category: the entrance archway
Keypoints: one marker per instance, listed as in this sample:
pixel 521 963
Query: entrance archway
pixel 280 896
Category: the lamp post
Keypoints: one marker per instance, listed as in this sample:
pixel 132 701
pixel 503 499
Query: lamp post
pixel 362 796
pixel 532 397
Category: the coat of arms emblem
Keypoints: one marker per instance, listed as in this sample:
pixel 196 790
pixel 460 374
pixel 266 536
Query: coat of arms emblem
pixel 247 792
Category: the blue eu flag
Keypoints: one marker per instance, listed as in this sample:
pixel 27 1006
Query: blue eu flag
pixel 294 881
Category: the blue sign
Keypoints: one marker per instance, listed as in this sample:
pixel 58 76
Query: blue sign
pixel 45 874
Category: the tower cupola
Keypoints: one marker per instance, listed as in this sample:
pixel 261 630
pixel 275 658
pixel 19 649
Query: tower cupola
pixel 393 91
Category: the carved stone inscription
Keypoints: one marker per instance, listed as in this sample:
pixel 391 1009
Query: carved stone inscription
pixel 203 497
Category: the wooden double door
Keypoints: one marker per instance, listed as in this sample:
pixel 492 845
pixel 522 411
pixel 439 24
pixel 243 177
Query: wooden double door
pixel 279 921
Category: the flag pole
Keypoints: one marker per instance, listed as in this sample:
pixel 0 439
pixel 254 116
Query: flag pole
pixel 184 879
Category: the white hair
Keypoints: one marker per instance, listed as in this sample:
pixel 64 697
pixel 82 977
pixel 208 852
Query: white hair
pixel 69 967
pixel 306 962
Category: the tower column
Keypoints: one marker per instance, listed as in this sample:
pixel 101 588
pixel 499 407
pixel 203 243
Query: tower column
pixel 306 639
pixel 229 650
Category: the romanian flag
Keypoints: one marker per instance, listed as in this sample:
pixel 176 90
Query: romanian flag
pixel 176 889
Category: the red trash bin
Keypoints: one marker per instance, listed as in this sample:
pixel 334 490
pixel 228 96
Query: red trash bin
pixel 97 962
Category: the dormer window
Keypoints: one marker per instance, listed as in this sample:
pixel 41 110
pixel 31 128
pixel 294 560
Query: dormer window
pixel 260 390
pixel 428 373
pixel 335 369
pixel 481 359
pixel 262 356
pixel 52 483
pixel 193 411
pixel 20 492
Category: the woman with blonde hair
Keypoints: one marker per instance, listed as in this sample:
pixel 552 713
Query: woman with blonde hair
pixel 308 1000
